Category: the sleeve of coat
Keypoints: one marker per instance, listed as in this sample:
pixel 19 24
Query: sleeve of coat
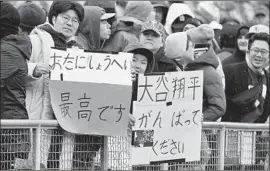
pixel 32 63
pixel 214 95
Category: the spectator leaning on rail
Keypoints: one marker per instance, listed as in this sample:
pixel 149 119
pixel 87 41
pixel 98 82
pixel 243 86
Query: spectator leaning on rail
pixel 247 84
pixel 153 37
pixel 15 50
pixel 64 19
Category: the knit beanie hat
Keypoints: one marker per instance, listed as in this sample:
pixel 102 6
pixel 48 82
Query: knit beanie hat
pixel 201 34
pixel 9 19
pixel 31 15
pixel 137 11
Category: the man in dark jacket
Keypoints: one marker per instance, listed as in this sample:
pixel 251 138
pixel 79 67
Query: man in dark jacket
pixel 152 37
pixel 15 50
pixel 247 86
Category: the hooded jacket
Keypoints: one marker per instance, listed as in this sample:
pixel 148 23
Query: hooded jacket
pixel 15 50
pixel 89 31
pixel 162 62
pixel 214 101
pixel 149 69
pixel 122 35
pixel 237 56
pixel 176 10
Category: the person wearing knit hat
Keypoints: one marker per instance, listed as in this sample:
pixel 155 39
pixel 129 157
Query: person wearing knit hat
pixel 153 37
pixel 15 52
pixel 9 20
pixel 31 15
pixel 127 27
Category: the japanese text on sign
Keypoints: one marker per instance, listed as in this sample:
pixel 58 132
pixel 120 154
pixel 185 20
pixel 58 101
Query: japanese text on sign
pixel 77 65
pixel 170 104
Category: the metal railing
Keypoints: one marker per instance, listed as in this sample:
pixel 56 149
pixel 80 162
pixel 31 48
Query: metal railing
pixel 225 146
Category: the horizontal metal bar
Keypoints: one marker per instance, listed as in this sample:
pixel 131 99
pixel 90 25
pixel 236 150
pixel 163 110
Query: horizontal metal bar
pixel 234 125
pixel 12 123
pixel 23 123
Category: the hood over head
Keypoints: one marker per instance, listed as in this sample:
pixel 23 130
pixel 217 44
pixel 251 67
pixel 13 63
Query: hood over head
pixel 175 11
pixel 137 12
pixel 90 26
pixel 22 43
pixel 241 32
pixel 176 44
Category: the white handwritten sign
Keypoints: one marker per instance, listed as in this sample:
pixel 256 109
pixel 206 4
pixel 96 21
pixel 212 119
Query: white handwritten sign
pixel 77 65
pixel 91 108
pixel 170 107
pixel 91 92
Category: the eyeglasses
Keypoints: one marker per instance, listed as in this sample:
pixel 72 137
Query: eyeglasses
pixel 66 19
pixel 256 51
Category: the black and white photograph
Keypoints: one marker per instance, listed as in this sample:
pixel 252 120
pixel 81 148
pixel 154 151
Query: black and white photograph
pixel 134 85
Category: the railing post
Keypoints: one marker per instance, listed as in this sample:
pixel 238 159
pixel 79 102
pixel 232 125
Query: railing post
pixel 164 166
pixel 37 148
pixel 222 148
pixel 105 155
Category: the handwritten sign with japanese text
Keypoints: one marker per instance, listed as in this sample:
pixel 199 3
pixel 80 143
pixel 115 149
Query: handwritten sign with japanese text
pixel 91 92
pixel 76 65
pixel 170 105
pixel 91 108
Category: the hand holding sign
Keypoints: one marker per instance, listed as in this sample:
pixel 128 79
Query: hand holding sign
pixel 41 69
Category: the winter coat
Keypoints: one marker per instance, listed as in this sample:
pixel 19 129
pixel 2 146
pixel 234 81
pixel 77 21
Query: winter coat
pixel 163 63
pixel 37 93
pixel 237 55
pixel 214 101
pixel 122 35
pixel 237 76
pixel 15 50
pixel 89 31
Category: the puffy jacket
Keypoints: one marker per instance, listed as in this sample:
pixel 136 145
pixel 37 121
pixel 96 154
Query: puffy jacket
pixel 214 101
pixel 37 93
pixel 15 50
pixel 163 63
pixel 121 36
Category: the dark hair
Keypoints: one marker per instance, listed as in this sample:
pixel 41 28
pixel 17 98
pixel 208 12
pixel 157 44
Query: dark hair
pixel 194 21
pixel 58 7
pixel 258 36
